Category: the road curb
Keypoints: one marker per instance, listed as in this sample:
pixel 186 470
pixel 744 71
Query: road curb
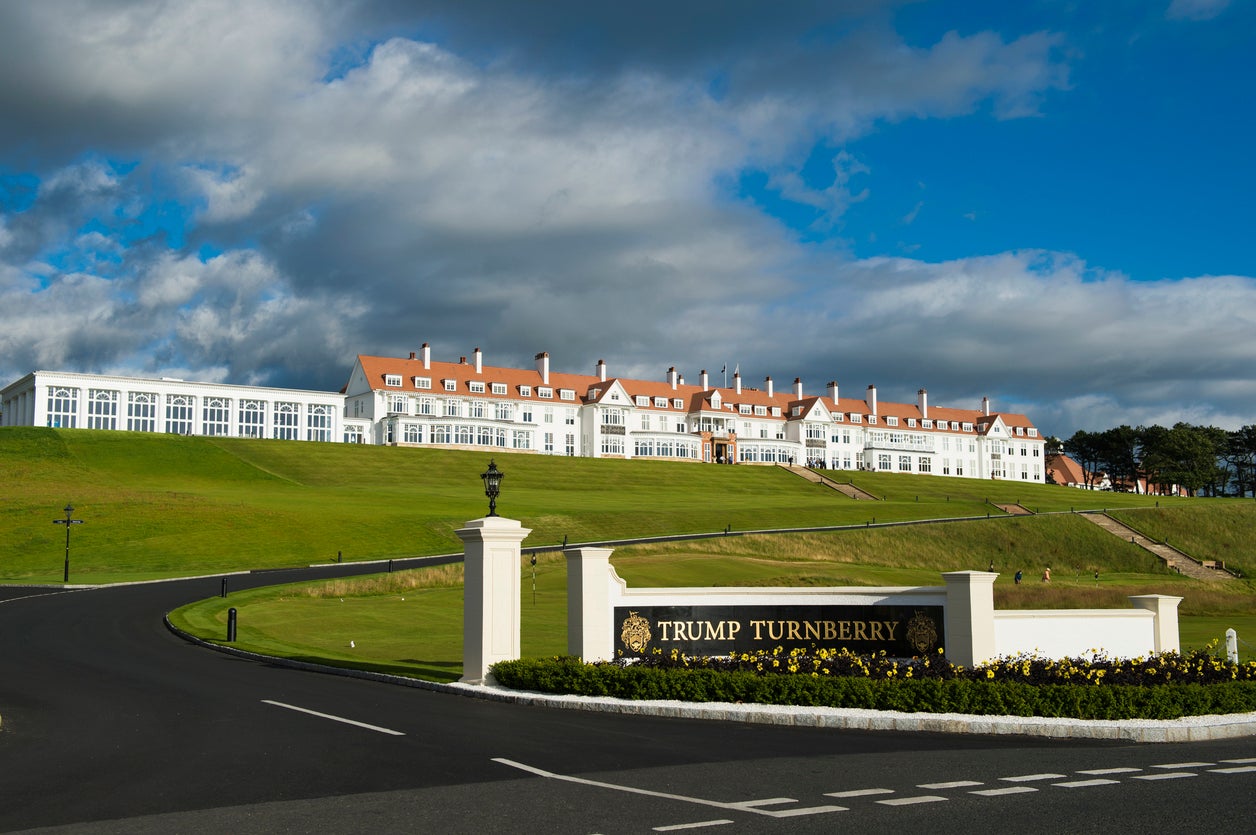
pixel 1186 729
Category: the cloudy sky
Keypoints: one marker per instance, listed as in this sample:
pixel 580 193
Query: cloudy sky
pixel 1045 203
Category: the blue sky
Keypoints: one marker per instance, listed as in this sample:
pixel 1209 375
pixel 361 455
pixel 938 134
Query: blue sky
pixel 1043 203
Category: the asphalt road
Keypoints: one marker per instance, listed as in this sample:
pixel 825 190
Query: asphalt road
pixel 113 724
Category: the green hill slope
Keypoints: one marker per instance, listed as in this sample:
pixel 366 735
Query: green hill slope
pixel 161 505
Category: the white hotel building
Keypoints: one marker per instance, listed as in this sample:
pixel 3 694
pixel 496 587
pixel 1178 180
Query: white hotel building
pixel 469 405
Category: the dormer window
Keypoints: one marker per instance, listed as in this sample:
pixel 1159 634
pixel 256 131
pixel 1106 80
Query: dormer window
pixel 1033 433
pixel 677 403
pixel 525 391
pixel 927 423
pixel 568 394
pixel 891 421
pixel 392 380
pixel 499 388
pixel 911 422
pixel 744 408
pixel 450 385
pixel 837 417
pixel 968 427
pixel 796 411
pixel 660 402
pixel 545 392
pixel 872 418
pixel 641 400
pixel 424 383
pixel 854 418
pixel 776 411
pixel 476 387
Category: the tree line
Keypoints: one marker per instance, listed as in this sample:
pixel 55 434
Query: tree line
pixel 1205 460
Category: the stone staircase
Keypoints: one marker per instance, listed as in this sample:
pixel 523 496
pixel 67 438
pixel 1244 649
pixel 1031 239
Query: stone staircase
pixel 1172 557
pixel 846 488
pixel 1014 509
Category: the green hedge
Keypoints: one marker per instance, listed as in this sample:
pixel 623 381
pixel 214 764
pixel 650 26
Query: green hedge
pixel 924 695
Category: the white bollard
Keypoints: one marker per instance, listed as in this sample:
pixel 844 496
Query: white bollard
pixel 1232 646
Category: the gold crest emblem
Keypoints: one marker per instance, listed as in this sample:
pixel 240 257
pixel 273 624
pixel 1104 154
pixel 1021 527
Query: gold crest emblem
pixel 922 634
pixel 635 632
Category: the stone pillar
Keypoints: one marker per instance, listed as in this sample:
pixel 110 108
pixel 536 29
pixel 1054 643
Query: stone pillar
pixel 490 597
pixel 590 619
pixel 969 616
pixel 1165 608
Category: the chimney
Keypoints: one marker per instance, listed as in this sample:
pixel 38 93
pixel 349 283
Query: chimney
pixel 542 367
pixel 737 381
pixel 985 406
pixel 479 361
pixel 767 384
pixel 462 360
pixel 833 391
pixel 427 356
pixel 601 370
pixel 922 401
pixel 671 377
pixel 871 398
pixel 413 355
pixel 798 388
pixel 681 379
pixel 703 378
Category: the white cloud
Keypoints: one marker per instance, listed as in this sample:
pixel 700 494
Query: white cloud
pixel 1195 9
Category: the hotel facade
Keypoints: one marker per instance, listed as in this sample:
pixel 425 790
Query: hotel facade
pixel 417 401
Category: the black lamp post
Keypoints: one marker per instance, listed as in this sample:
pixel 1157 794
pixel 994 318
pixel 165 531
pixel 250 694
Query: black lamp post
pixel 67 521
pixel 492 486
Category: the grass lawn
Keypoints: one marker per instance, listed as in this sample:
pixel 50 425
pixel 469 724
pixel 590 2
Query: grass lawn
pixel 410 622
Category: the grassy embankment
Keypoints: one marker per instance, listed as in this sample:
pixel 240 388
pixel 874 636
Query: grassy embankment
pixel 161 506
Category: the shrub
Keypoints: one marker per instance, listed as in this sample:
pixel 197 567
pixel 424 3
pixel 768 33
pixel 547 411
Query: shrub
pixel 1164 686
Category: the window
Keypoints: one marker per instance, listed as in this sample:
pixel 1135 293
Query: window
pixel 453 408
pixel 423 383
pixel 904 463
pixel 549 443
pixel 479 409
pixel 677 403
pixel 287 421
pixel 883 462
pixel 837 417
pixel 926 464
pixel 612 417
pixel 450 385
pixel 776 411
pixel 392 380
pixel 252 419
pixel 891 421
pixel 1033 433
pixel 612 444
pixel 545 392
pixel 743 409
pixel 216 416
pixel 761 411
pixel 476 387
pixel 1037 451
pixel 796 411
pixel 63 408
pixel 413 433
pixel 102 409
pixel 523 439
pixel 926 423
pixel 548 415
pixel 641 400
pixel 318 422
pixel 464 434
pixel 504 410
pixel 968 427
pixel 427 406
pixel 525 391
pixel 1020 430
pixel 911 422
pixel 525 413
pixel 872 418
pixel 815 432
pixel 442 433
pixel 645 422
pixel 643 447
pixel 856 418
pixel 397 404
pixel 568 394
pixel 179 414
pixel 571 444
pixel 499 388
pixel 569 417
pixel 660 402
pixel 484 436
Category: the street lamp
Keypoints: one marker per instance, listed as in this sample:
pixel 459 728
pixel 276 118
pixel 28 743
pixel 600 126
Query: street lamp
pixel 492 486
pixel 67 521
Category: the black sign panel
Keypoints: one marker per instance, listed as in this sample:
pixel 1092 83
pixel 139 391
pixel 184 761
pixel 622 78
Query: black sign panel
pixel 901 631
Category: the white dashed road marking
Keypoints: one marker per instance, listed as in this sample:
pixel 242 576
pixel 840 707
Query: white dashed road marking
pixel 910 801
pixel 1168 775
pixel 1183 765
pixel 676 827
pixel 770 801
pixel 1030 778
pixel 956 784
pixel 1242 761
pixel 1085 784
pixel 1004 790
pixel 1238 769
pixel 1098 772
pixel 859 793
pixel 341 719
